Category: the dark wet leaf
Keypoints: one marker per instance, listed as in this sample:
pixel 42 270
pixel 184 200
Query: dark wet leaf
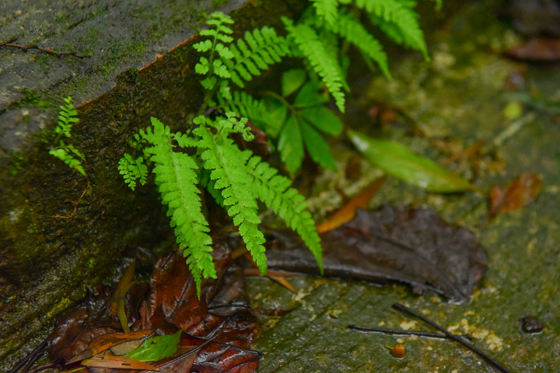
pixel 520 192
pixel 537 49
pixel 156 348
pixel 259 145
pixel 171 304
pixel 397 160
pixel 412 246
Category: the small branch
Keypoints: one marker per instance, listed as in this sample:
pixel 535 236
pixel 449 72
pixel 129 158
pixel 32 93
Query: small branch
pixel 398 332
pixel 452 336
pixel 48 50
pixel 75 204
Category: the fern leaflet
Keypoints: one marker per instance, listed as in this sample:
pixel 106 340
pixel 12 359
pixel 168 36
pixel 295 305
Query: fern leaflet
pixel 351 29
pixel 66 118
pixel 63 151
pixel 222 157
pixel 328 9
pixel 274 190
pixel 401 14
pixel 177 183
pixel 133 170
pixel 322 62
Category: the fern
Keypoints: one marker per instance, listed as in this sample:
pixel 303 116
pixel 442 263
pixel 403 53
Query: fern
pixel 239 61
pixel 274 190
pixel 328 9
pixel 322 63
pixel 404 20
pixel 133 170
pixel 66 117
pixel 66 152
pixel 351 29
pixel 222 157
pixel 176 179
pixel 63 151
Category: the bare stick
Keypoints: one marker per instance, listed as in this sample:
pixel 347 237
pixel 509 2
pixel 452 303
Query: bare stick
pixel 398 332
pixel 452 336
pixel 46 50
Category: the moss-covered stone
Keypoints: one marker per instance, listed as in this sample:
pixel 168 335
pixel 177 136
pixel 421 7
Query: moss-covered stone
pixel 141 65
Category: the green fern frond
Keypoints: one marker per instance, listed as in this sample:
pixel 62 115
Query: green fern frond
pixel 227 165
pixel 321 61
pixel 133 170
pixel 63 151
pixel 401 14
pixel 275 191
pixel 239 61
pixel 351 29
pixel 177 184
pixel 66 117
pixel 244 105
pixel 254 53
pixel 328 9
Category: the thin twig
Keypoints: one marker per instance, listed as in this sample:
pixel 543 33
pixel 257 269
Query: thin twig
pixel 48 50
pixel 452 336
pixel 30 359
pixel 398 332
pixel 75 204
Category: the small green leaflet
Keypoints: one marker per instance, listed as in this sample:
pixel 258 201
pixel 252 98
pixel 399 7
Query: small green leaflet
pixel 397 160
pixel 156 348
pixel 292 80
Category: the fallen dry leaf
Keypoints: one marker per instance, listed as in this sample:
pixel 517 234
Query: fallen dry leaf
pixel 518 193
pixel 105 342
pixel 537 49
pixel 412 246
pixel 116 362
pixel 348 212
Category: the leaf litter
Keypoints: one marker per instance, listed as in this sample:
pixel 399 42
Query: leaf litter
pixel 413 246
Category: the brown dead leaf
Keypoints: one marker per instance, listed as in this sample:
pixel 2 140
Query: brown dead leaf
pixel 105 342
pixel 348 212
pixel 518 193
pixel 412 246
pixel 117 362
pixel 537 49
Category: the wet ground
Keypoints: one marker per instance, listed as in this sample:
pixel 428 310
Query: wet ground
pixel 459 95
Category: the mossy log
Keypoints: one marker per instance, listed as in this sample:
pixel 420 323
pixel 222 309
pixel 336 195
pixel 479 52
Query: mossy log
pixel 139 63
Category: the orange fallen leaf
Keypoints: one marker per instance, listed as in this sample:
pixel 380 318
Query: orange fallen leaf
pixel 348 212
pixel 520 192
pixel 117 362
pixel 105 342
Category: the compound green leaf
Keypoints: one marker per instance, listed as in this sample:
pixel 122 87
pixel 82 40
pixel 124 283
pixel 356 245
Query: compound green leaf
pixel 317 147
pixel 309 95
pixel 323 119
pixel 292 80
pixel 397 160
pixel 290 145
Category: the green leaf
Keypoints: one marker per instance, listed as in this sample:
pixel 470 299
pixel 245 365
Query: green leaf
pixel 397 160
pixel 309 95
pixel 274 117
pixel 323 119
pixel 156 348
pixel 292 80
pixel 290 145
pixel 317 147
